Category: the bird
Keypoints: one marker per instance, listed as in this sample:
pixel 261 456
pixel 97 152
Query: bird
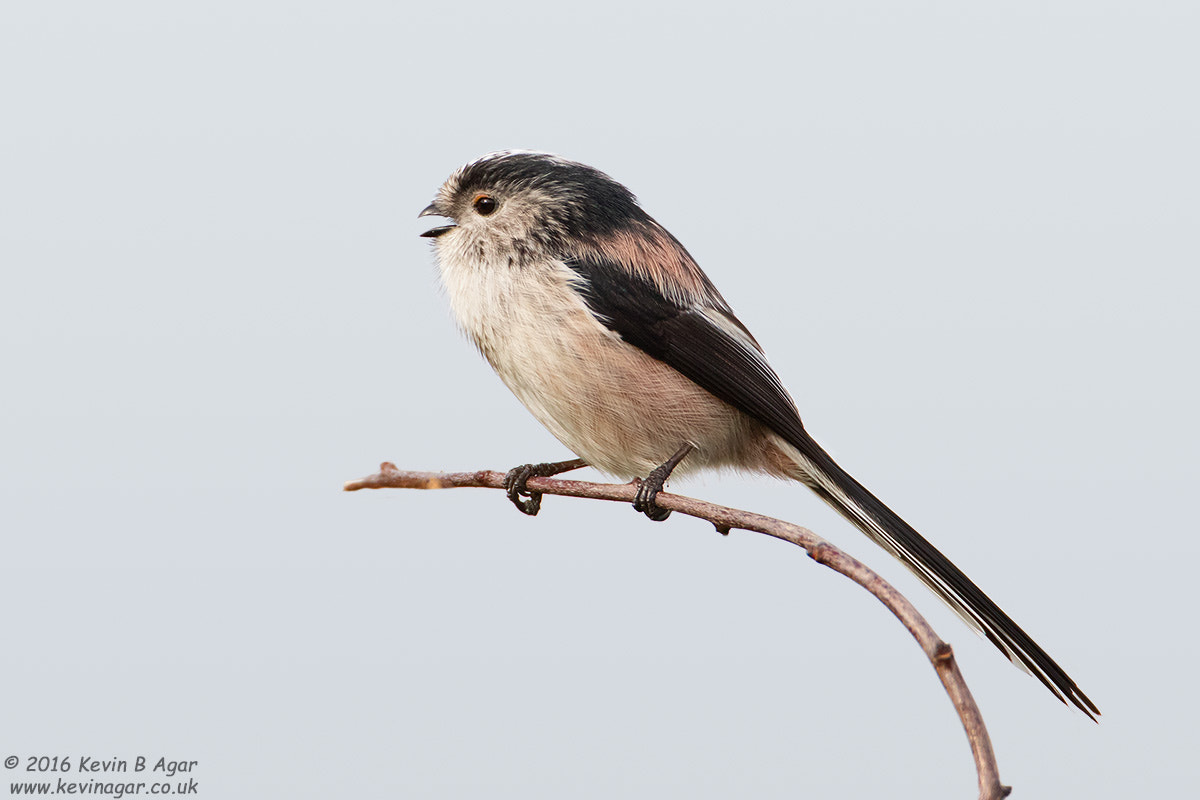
pixel 607 330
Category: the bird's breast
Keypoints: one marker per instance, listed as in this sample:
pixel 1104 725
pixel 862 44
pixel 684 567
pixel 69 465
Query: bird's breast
pixel 613 405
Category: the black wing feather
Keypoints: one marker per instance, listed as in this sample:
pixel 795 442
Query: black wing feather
pixel 734 370
pixel 688 340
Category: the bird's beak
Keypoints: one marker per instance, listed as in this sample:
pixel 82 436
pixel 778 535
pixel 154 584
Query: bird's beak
pixel 432 210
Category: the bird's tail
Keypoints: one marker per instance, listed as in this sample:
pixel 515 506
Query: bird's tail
pixel 820 472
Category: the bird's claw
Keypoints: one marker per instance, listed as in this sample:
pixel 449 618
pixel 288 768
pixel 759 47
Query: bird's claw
pixel 515 478
pixel 514 485
pixel 643 501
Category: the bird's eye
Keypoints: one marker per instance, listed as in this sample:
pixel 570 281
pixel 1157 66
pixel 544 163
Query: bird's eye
pixel 484 205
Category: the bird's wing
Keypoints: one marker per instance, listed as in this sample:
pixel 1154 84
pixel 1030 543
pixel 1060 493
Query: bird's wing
pixel 701 338
pixel 706 343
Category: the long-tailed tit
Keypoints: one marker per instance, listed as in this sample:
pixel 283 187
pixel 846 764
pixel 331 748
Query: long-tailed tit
pixel 605 328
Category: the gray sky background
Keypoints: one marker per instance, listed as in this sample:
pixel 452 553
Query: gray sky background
pixel 966 235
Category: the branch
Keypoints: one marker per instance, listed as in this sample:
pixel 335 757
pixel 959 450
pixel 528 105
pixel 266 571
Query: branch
pixel 726 519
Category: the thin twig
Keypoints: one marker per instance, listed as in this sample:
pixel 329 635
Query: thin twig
pixel 726 519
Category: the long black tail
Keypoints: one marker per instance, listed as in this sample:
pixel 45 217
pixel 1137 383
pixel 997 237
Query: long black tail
pixel 849 498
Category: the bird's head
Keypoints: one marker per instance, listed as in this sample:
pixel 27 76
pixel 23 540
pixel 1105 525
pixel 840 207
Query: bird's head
pixel 518 202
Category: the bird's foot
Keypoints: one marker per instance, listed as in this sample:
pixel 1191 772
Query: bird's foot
pixel 515 478
pixel 648 489
pixel 514 486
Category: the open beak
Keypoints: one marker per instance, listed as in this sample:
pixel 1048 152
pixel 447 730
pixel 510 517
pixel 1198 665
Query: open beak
pixel 432 210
